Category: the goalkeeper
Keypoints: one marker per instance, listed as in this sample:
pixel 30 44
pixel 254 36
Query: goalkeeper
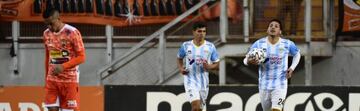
pixel 274 72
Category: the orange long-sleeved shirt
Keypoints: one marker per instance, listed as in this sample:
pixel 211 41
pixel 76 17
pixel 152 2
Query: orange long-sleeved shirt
pixel 66 48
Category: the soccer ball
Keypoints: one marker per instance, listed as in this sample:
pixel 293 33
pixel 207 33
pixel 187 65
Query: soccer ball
pixel 258 54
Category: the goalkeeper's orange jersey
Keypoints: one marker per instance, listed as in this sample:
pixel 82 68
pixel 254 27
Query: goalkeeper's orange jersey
pixel 66 48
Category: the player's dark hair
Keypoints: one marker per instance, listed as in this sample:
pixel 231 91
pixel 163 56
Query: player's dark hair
pixel 276 20
pixel 49 12
pixel 198 25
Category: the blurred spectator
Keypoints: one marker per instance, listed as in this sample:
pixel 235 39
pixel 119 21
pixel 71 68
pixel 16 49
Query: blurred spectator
pixel 291 7
pixel 258 15
pixel 259 5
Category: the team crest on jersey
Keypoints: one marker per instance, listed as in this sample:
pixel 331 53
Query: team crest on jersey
pixel 189 52
pixel 206 52
pixel 281 50
pixel 63 42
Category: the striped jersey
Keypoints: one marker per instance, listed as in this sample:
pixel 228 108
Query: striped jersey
pixel 272 73
pixel 194 57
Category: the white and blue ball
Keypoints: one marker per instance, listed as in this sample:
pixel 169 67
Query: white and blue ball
pixel 258 54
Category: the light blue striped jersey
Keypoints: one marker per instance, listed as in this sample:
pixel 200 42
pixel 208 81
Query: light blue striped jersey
pixel 194 57
pixel 272 73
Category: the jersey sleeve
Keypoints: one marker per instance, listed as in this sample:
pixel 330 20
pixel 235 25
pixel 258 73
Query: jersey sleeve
pixel 77 41
pixel 78 46
pixel 181 53
pixel 214 55
pixel 254 45
pixel 292 48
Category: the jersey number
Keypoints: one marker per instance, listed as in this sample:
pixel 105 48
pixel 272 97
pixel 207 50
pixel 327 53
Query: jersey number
pixel 281 101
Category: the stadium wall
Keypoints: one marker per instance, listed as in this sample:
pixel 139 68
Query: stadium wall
pixel 340 69
pixel 172 98
pixel 31 65
pixel 229 98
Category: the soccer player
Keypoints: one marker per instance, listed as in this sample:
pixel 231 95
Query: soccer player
pixel 274 72
pixel 200 56
pixel 64 51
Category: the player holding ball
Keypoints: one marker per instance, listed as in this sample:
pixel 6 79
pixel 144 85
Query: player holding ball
pixel 273 65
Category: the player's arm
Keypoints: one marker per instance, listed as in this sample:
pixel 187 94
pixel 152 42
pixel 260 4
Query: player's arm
pixel 295 61
pixel 80 52
pixel 181 67
pixel 214 57
pixel 213 66
pixel 180 63
pixel 180 56
pixel 250 60
pixel 80 58
pixel 246 59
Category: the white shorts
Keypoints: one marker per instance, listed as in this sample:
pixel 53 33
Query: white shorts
pixel 197 94
pixel 272 99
